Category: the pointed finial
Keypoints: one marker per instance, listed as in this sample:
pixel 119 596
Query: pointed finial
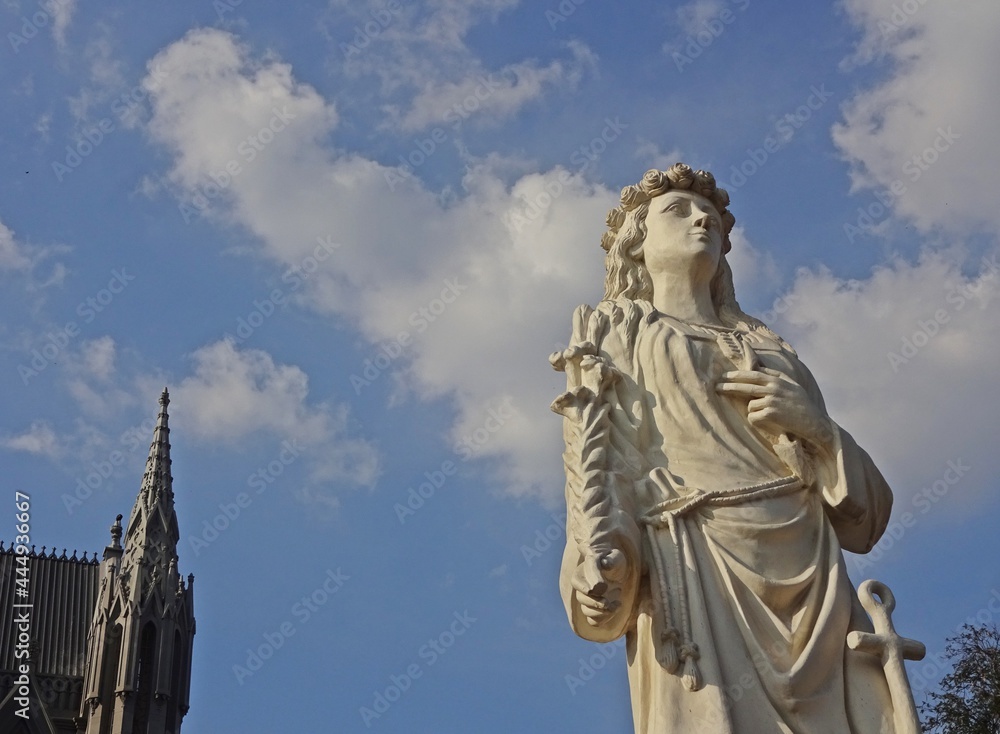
pixel 116 533
pixel 161 418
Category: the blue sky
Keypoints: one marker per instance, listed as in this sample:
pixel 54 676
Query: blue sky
pixel 348 235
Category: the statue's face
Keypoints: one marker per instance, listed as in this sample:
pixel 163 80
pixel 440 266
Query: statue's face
pixel 682 229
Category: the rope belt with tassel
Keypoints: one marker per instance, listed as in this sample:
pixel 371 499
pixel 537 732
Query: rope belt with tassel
pixel 677 644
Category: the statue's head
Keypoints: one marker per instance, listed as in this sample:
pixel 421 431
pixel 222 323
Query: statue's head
pixel 627 274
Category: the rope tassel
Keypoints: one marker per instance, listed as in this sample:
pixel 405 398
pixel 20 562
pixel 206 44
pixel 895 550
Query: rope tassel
pixel 668 654
pixel 692 674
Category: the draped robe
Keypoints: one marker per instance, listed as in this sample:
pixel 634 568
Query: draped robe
pixel 760 582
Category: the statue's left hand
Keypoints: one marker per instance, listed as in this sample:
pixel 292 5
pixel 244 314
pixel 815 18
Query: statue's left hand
pixel 777 404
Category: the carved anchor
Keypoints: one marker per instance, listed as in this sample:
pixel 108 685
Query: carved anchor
pixel 892 649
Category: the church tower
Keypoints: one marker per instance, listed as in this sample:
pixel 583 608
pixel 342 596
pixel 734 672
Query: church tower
pixel 138 671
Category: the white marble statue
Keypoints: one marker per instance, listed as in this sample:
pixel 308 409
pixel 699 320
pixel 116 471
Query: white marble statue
pixel 710 496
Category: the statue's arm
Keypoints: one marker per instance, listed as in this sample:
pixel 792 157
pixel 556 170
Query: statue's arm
pixel 858 500
pixel 602 562
pixel 624 595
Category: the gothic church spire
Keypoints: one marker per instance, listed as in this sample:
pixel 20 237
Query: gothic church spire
pixel 139 668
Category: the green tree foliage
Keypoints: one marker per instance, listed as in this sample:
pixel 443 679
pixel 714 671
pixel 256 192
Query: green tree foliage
pixel 968 699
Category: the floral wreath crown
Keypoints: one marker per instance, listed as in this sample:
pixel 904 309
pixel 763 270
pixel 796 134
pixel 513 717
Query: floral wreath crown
pixel 679 177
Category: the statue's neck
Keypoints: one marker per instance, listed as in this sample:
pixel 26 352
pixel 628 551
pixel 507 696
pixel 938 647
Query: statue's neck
pixel 684 299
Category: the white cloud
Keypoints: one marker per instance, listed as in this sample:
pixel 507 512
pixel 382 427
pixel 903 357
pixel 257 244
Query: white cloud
pixel 650 155
pixel 701 20
pixel 400 245
pixel 925 128
pixel 210 98
pixel 940 91
pixel 40 439
pixel 428 75
pixel 20 257
pixel 62 13
pixel 488 97
pixel 692 17
pixel 92 380
pixel 754 272
pixel 99 357
pixel 13 255
pixel 231 398
pixel 515 281
pixel 903 360
pixel 235 393
pixel 106 78
pixel 43 125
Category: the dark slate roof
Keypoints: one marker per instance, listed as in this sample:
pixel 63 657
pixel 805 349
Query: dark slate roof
pixel 63 592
